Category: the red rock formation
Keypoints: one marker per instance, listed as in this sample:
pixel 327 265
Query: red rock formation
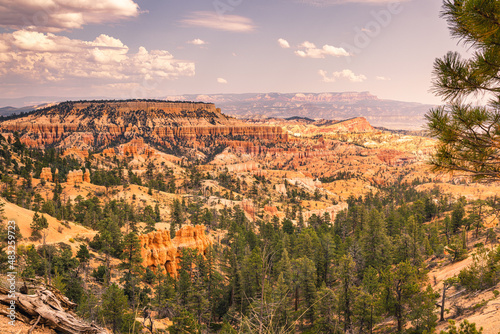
pixel 99 123
pixel 86 176
pixel 394 158
pixel 160 253
pixel 109 152
pixel 76 152
pixel 243 167
pixel 248 206
pixel 46 174
pixel 75 177
pixel 271 209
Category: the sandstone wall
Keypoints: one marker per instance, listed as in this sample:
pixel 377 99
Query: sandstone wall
pixel 76 177
pixel 46 174
pixel 159 252
pixel 76 152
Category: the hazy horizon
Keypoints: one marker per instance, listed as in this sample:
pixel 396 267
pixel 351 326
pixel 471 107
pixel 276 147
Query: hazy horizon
pixel 135 49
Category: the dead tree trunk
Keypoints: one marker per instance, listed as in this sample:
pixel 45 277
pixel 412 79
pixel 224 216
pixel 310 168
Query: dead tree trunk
pixel 53 308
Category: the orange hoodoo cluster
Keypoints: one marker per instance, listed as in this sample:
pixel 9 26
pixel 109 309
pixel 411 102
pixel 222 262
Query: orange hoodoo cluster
pixel 160 253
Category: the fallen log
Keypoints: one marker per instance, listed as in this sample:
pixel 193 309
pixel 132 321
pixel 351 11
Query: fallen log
pixel 53 309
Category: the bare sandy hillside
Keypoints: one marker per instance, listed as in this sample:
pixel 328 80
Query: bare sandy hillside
pixel 55 233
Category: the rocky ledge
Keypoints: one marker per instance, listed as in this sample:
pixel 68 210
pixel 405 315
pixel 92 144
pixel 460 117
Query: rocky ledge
pixel 101 124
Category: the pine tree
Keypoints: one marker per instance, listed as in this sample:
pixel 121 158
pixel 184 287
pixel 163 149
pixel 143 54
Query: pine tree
pixel 374 241
pixel 326 311
pixel 184 323
pixel 421 313
pixel 131 252
pixel 157 213
pixel 401 285
pixel 83 255
pixel 346 276
pixel 469 134
pixel 2 210
pixel 176 217
pixel 114 306
pixel 38 224
pixel 368 303
pixel 305 272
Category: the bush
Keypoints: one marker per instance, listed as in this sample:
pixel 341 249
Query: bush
pixel 100 273
pixel 36 235
pixel 484 272
pixel 465 328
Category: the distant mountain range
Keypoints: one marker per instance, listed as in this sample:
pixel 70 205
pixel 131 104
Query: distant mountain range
pixel 331 106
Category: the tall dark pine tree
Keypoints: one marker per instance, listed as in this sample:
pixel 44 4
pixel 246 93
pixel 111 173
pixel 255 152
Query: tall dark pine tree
pixel 469 135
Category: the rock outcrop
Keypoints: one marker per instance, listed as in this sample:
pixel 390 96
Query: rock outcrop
pixel 103 123
pixel 332 211
pixel 76 177
pixel 46 174
pixel 75 152
pixel 86 176
pixel 160 253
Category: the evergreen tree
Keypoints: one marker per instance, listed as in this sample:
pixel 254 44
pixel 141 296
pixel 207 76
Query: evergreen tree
pixel 157 213
pixel 131 252
pixel 184 323
pixel 457 216
pixel 83 254
pixel 469 134
pixel 326 311
pixel 305 272
pixel 346 277
pixel 374 241
pixel 401 285
pixel 38 224
pixel 368 303
pixel 421 314
pixel 176 217
pixel 114 306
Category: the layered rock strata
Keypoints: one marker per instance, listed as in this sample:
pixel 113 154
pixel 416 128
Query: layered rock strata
pixel 76 177
pixel 102 123
pixel 160 253
pixel 46 174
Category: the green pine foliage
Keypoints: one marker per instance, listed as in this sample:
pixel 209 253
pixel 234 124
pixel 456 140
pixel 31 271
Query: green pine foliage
pixel 468 133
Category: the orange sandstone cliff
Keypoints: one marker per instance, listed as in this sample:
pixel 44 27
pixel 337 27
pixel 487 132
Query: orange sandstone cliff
pixel 159 252
pixel 101 124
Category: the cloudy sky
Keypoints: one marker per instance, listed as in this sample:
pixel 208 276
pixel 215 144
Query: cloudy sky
pixel 157 48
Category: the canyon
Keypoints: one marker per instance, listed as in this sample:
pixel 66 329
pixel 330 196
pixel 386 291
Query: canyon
pixel 100 124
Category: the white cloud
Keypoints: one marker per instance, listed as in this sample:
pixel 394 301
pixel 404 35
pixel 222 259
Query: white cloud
pixel 322 3
pixel 58 15
pixel 283 43
pixel 309 50
pixel 221 80
pixel 197 41
pixel 380 78
pixel 344 74
pixel 47 57
pixel 211 20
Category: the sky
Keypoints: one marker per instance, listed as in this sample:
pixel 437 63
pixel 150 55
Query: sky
pixel 156 48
